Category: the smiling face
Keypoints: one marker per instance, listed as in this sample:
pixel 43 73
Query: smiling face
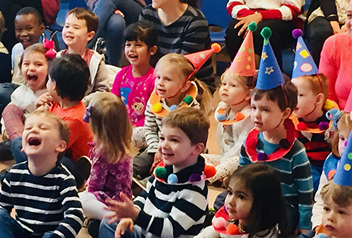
pixel 28 29
pixel 232 91
pixel 349 19
pixel 238 201
pixel 343 136
pixel 138 53
pixel 336 219
pixel 306 100
pixel 75 32
pixel 35 70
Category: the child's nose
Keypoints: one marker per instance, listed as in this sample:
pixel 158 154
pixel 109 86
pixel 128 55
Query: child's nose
pixel 331 216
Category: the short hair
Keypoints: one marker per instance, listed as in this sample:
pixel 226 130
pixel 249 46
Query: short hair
pixel 319 83
pixel 268 208
pixel 344 123
pixel 38 48
pixel 192 121
pixel 341 195
pixel 71 74
pixel 91 19
pixel 111 125
pixel 32 11
pixel 143 31
pixel 246 82
pixel 63 129
pixel 285 96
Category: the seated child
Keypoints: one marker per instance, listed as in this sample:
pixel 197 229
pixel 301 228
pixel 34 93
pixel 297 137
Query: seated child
pixel 254 203
pixel 312 104
pixel 174 203
pixel 175 86
pixel 41 190
pixel 5 58
pixel 273 141
pixel 80 26
pixel 135 82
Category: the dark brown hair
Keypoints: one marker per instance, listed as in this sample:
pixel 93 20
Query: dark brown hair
pixel 84 14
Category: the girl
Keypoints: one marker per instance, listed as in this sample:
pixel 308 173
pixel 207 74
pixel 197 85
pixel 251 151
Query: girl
pixel 175 86
pixel 344 126
pixel 254 203
pixel 34 68
pixel 111 151
pixel 135 82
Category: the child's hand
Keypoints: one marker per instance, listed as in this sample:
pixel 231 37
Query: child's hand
pixel 122 226
pixel 124 209
pixel 244 21
pixel 44 100
pixel 157 159
pixel 118 12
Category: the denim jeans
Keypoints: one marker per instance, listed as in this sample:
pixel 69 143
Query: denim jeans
pixel 113 25
pixel 107 230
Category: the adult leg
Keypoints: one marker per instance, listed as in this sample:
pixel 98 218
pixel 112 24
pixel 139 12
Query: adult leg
pixel 114 39
pixel 232 40
pixel 16 147
pixel 6 89
pixel 317 32
pixel 142 164
pixel 107 230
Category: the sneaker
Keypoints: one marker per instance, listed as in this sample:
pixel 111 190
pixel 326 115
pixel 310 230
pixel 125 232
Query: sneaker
pixel 93 227
pixel 5 150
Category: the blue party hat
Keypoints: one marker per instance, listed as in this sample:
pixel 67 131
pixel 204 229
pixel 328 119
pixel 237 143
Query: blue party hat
pixel 343 174
pixel 304 63
pixel 269 75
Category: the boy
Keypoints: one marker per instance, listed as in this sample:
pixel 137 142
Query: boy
pixel 175 208
pixel 41 191
pixel 80 27
pixel 273 141
pixel 309 115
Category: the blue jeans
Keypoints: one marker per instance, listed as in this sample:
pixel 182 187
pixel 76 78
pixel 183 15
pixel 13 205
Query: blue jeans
pixel 316 173
pixel 113 25
pixel 107 230
pixel 9 227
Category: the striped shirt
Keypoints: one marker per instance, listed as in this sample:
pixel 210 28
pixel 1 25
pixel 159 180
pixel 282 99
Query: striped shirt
pixel 188 34
pixel 43 203
pixel 294 173
pixel 173 210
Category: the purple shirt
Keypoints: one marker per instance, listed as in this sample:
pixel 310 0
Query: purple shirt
pixel 134 92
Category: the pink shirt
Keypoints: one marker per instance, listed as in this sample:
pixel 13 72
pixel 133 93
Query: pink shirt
pixel 134 92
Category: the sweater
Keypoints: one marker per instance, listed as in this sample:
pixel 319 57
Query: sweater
pixel 43 203
pixel 331 10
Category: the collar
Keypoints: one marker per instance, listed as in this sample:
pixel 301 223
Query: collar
pixel 222 114
pixel 221 224
pixel 160 109
pixel 252 141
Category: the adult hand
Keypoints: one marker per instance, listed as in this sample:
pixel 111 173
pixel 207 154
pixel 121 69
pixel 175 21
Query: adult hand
pixel 124 209
pixel 125 223
pixel 157 159
pixel 118 12
pixel 335 27
pixel 244 21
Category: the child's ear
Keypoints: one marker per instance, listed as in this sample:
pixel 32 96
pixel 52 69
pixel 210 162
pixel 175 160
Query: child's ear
pixel 61 147
pixel 287 112
pixel 90 35
pixel 320 99
pixel 248 97
pixel 199 148
pixel 42 28
pixel 153 50
pixel 185 86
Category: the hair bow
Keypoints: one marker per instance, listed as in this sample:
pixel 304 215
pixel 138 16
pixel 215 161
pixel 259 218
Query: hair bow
pixel 88 114
pixel 49 45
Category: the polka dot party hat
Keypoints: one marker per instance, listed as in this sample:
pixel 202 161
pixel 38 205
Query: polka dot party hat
pixel 343 174
pixel 303 63
pixel 244 62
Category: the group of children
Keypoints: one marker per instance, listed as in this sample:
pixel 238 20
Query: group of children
pixel 277 132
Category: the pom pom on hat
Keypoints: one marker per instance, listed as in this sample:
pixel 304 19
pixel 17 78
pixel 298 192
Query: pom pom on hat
pixel 296 33
pixel 284 143
pixel 232 229
pixel 194 178
pixel 209 171
pixel 266 33
pixel 172 178
pixel 160 172
pixel 262 156
pixel 216 47
pixel 239 116
pixel 323 125
pixel 252 26
pixel 301 126
pixel 219 222
pixel 157 107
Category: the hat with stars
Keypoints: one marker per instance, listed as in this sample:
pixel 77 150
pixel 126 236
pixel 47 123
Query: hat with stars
pixel 244 62
pixel 269 75
pixel 303 63
pixel 343 174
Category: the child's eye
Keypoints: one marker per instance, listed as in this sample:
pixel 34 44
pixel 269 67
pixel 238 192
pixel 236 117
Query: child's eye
pixel 342 212
pixel 300 95
pixel 266 110
pixel 29 28
pixel 233 85
pixel 161 138
pixel 254 108
pixel 76 27
pixel 174 140
pixel 241 197
pixel 326 209
pixel 229 192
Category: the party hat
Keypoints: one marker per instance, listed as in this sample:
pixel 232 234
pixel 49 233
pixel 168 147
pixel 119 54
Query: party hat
pixel 304 63
pixel 343 174
pixel 348 105
pixel 244 62
pixel 199 58
pixel 269 75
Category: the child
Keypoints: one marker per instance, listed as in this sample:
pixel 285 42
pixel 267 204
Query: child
pixel 273 138
pixel 79 28
pixel 175 86
pixel 233 112
pixel 34 67
pixel 111 171
pixel 135 82
pixel 254 203
pixel 41 190
pixel 344 126
pixel 5 58
pixel 309 115
pixel 174 203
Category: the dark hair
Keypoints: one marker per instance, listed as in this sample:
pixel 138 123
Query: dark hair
pixel 193 3
pixel 142 31
pixel 192 121
pixel 87 15
pixel 286 96
pixel 33 11
pixel 71 74
pixel 268 208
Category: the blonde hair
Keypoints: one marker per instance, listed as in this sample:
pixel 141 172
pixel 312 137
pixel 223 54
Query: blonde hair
pixel 344 123
pixel 186 68
pixel 111 126
pixel 246 82
pixel 341 195
pixel 318 83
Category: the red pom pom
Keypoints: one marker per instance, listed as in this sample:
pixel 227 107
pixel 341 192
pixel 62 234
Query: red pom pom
pixel 216 47
pixel 239 116
pixel 209 171
pixel 331 174
pixel 232 229
pixel 301 126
